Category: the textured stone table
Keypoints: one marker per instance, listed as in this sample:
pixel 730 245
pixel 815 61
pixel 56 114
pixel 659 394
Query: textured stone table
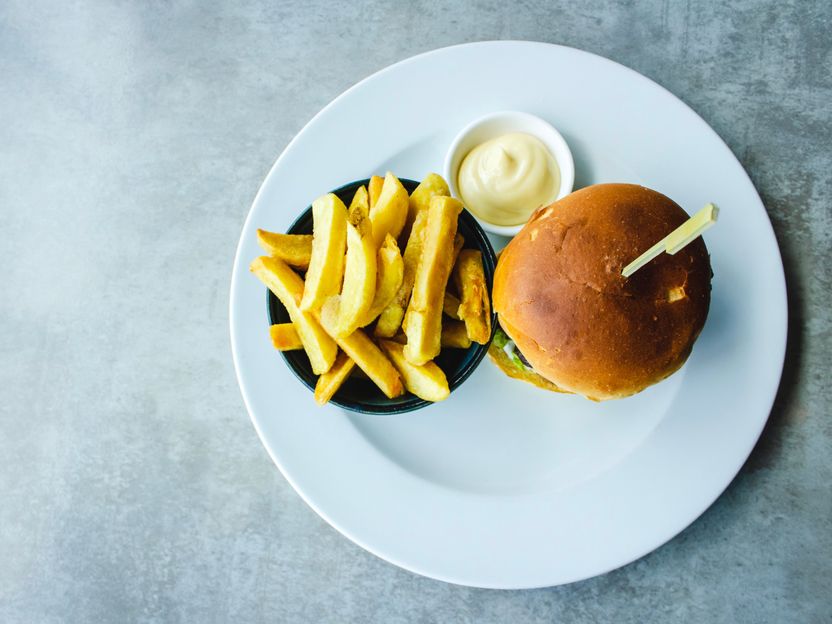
pixel 132 140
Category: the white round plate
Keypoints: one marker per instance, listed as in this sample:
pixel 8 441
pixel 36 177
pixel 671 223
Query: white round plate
pixel 504 485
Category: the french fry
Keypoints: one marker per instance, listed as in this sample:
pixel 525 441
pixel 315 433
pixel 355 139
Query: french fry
pixel 359 289
pixel 390 276
pixel 455 335
pixel 285 337
pixel 389 213
pixel 376 182
pixel 368 357
pixel 474 305
pixel 423 319
pixel 450 306
pixel 288 287
pixel 328 383
pixel 328 316
pixel 326 265
pixel 294 249
pixel 433 184
pixel 391 318
pixel 427 381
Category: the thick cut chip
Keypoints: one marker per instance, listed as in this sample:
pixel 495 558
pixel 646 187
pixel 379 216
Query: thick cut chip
pixel 359 289
pixel 423 320
pixel 285 337
pixel 294 249
pixel 389 213
pixel 368 357
pixel 376 182
pixel 390 276
pixel 391 318
pixel 328 316
pixel 334 378
pixel 427 381
pixel 326 266
pixel 288 287
pixel 455 335
pixel 433 184
pixel 450 305
pixel 474 304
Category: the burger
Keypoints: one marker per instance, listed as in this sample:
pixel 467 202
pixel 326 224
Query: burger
pixel 569 321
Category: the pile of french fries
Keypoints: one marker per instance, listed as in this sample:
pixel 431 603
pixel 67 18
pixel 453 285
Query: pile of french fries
pixel 357 302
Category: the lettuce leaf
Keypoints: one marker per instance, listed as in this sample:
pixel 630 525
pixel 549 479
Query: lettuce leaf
pixel 501 339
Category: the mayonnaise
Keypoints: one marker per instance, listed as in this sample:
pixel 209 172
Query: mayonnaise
pixel 504 180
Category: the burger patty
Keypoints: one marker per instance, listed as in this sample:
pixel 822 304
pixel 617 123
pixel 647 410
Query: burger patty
pixel 522 357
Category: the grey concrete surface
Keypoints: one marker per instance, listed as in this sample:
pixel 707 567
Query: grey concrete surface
pixel 133 137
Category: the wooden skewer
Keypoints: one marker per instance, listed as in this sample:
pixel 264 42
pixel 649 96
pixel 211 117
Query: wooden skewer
pixel 677 239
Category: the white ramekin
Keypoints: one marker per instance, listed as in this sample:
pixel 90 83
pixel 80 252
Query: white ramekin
pixel 494 125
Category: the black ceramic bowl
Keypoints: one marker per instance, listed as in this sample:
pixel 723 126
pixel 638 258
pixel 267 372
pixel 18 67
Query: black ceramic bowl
pixel 362 395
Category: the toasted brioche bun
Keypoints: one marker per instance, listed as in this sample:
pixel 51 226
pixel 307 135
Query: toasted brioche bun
pixel 560 295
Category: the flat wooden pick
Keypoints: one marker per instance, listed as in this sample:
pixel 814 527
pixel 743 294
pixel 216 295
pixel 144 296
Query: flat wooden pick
pixel 677 239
